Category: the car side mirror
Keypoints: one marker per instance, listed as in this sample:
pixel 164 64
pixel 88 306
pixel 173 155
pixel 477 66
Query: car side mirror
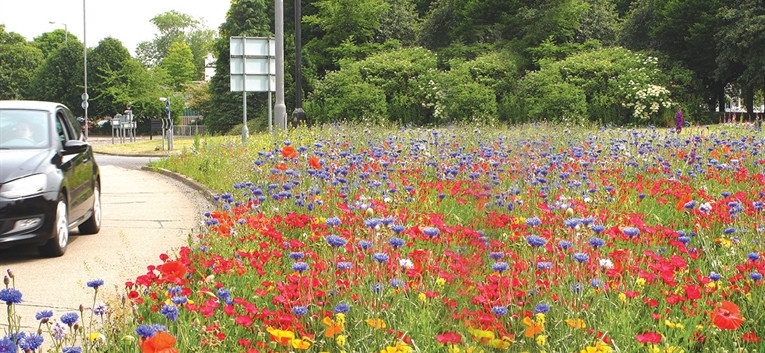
pixel 75 146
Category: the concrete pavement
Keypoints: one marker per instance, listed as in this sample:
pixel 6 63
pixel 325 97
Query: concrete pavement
pixel 145 214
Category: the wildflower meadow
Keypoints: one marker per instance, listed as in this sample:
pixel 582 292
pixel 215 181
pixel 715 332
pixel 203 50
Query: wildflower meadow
pixel 534 238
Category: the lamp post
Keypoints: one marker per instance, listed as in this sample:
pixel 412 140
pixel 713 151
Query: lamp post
pixel 85 69
pixel 66 31
pixel 299 114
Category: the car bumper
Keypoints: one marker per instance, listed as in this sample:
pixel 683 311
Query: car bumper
pixel 27 221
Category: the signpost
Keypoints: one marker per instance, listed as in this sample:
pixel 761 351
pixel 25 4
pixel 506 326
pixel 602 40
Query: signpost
pixel 253 69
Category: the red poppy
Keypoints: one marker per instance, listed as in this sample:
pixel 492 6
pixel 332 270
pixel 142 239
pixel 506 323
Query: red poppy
pixel 648 337
pixel 449 337
pixel 727 316
pixel 162 342
pixel 172 271
pixel 314 162
pixel 751 336
pixel 289 152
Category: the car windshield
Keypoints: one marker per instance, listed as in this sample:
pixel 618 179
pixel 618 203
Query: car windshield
pixel 23 129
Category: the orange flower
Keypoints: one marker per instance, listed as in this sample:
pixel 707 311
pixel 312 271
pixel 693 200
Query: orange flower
pixel 281 336
pixel 172 271
pixel 162 342
pixel 533 327
pixel 333 327
pixel 289 152
pixel 375 323
pixel 727 316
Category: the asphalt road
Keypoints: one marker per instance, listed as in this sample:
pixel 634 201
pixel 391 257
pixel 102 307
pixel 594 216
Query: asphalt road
pixel 144 214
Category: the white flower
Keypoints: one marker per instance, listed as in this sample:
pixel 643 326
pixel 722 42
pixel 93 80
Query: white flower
pixel 406 263
pixel 606 263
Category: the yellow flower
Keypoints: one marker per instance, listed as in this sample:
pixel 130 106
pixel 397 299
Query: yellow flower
pixel 400 347
pixel 302 343
pixel 440 282
pixel 341 340
pixel 640 282
pixel 622 297
pixel 422 297
pixel 541 340
pixel 671 324
pixel 97 336
pixel 578 323
pixel 378 323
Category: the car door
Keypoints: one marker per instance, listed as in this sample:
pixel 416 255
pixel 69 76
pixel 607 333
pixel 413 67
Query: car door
pixel 77 167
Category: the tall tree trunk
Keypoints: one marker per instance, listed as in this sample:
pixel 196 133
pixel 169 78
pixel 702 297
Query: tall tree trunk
pixel 749 99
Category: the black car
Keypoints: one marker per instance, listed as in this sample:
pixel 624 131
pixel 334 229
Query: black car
pixel 49 181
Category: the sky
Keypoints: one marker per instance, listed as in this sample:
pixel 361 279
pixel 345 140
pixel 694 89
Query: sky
pixel 126 20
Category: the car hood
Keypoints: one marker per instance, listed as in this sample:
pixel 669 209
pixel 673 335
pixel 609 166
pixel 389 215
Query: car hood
pixel 15 164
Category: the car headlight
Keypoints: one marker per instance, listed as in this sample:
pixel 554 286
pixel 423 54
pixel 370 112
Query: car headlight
pixel 26 186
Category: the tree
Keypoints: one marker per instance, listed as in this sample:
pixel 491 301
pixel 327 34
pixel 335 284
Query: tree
pixel 51 41
pixel 741 46
pixel 174 27
pixel 19 61
pixel 106 69
pixel 179 65
pixel 60 77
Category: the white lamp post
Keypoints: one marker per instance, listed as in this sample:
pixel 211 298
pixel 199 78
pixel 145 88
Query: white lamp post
pixel 66 31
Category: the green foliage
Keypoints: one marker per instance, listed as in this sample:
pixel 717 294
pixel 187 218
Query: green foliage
pixel 610 85
pixel 60 77
pixel 19 61
pixel 174 27
pixel 179 64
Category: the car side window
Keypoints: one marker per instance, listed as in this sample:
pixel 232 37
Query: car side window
pixel 62 129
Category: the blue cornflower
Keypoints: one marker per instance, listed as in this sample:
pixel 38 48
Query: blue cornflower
pixel 729 230
pixel 100 309
pixel 533 221
pixel 175 290
pixel 299 310
pixel 44 314
pixel 396 242
pixel 30 342
pixel 499 310
pixel 297 255
pixel 597 228
pixel 596 242
pixel 223 293
pixel 179 300
pixel 96 283
pixel 70 318
pixel 577 287
pixel 541 308
pixel 714 276
pixel 497 255
pixel 335 240
pixel 544 265
pixel 631 231
pixel 146 331
pixel 342 308
pixel 299 266
pixel 333 221
pixel 596 283
pixel 72 349
pixel 684 239
pixel 572 222
pixel 565 244
pixel 10 295
pixel 430 231
pixel 753 256
pixel 7 344
pixel 690 204
pixel 536 241
pixel 581 257
pixel 381 257
pixel 755 276
pixel 170 312
pixel 397 228
pixel 365 244
pixel 371 222
pixel 395 283
pixel 499 266
pixel 344 265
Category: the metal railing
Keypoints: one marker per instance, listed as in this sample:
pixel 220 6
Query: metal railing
pixel 188 130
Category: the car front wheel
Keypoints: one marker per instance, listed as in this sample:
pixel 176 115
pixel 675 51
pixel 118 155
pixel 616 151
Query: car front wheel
pixel 56 246
pixel 93 224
